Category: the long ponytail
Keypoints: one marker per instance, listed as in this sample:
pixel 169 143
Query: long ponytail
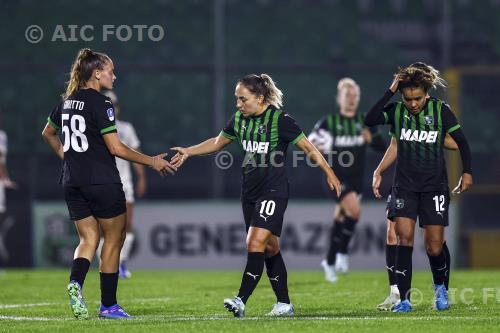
pixel 82 69
pixel 263 85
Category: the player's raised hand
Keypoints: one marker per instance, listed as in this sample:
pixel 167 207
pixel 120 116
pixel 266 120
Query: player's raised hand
pixel 395 83
pixel 377 179
pixel 180 157
pixel 162 166
pixel 334 183
pixel 463 184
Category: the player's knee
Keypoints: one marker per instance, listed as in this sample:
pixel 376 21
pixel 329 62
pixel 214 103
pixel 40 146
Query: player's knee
pixel 434 248
pixel 255 245
pixel 354 213
pixel 272 249
pixel 405 240
pixel 90 239
pixel 391 238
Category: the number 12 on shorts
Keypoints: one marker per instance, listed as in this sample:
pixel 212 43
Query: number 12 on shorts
pixel 439 200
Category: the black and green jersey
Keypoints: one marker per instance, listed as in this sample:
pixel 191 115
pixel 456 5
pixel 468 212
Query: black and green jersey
pixel 83 119
pixel 264 139
pixel 349 145
pixel 420 137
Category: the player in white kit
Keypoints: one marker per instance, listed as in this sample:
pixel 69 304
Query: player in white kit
pixel 5 182
pixel 127 135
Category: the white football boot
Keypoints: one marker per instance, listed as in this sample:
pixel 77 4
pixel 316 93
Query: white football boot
pixel 330 274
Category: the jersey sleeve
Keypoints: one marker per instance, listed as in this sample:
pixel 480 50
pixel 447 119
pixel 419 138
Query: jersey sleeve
pixel 228 130
pixel 450 122
pixel 288 129
pixel 54 118
pixel 388 113
pixel 391 130
pixel 105 117
pixel 382 112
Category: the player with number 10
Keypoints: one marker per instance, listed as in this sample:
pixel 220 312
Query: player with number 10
pixel 263 132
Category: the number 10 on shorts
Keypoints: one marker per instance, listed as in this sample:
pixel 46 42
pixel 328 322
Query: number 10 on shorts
pixel 267 207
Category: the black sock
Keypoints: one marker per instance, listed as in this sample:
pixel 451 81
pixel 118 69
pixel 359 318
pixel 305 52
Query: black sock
pixel 335 239
pixel 404 270
pixel 438 267
pixel 390 263
pixel 79 269
pixel 251 275
pixel 276 272
pixel 109 284
pixel 347 233
pixel 448 265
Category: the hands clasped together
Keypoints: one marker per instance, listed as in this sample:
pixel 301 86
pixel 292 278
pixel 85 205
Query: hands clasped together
pixel 164 167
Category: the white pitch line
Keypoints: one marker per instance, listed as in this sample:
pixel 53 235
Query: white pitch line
pixel 316 318
pixel 29 305
pixel 17 318
pixel 267 319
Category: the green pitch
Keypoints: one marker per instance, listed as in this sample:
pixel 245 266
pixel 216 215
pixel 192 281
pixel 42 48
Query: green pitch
pixel 189 301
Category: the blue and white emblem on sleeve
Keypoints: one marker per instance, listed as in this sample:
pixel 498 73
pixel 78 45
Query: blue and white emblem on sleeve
pixel 111 114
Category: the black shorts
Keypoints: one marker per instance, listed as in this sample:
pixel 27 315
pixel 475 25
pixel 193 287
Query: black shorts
pixel 267 213
pixel 102 201
pixel 430 207
pixel 348 187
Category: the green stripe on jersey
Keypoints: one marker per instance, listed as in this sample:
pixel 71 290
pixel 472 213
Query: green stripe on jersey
pixel 226 135
pixel 249 129
pixel 256 129
pixel 413 120
pixel 237 119
pixel 454 128
pixel 345 129
pixel 266 121
pixel 397 117
pixel 440 124
pixel 243 128
pixel 360 121
pixel 353 125
pixel 274 130
pixel 428 127
pixel 329 122
pixel 53 124
pixel 108 129
pixel 297 139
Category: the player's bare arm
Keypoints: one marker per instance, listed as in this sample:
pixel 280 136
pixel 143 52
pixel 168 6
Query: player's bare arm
pixel 49 134
pixel 207 147
pixel 118 148
pixel 313 153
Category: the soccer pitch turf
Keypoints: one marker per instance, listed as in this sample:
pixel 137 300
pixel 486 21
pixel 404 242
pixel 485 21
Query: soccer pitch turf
pixel 191 301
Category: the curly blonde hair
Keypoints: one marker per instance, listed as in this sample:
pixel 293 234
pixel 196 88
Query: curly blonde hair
pixel 420 75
